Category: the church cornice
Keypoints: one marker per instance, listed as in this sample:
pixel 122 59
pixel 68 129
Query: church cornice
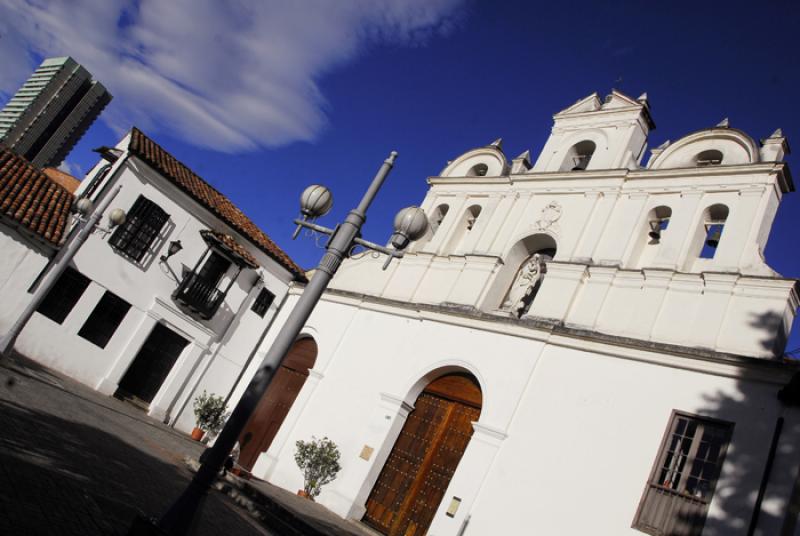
pixel 779 169
pixel 776 371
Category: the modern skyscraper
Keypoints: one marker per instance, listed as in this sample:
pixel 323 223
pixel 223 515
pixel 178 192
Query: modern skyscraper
pixel 51 111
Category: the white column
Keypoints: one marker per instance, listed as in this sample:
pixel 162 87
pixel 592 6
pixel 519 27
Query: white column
pixel 468 479
pixel 109 384
pixel 176 379
pixel 599 208
pixel 558 290
pixel 592 294
pixel 382 431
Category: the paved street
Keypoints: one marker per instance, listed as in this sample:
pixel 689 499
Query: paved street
pixel 74 462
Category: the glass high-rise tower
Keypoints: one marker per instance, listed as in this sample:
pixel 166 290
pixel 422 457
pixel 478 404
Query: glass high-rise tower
pixel 48 115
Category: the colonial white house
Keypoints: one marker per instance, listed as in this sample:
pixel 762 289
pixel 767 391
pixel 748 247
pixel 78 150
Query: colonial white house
pixel 586 343
pixel 172 302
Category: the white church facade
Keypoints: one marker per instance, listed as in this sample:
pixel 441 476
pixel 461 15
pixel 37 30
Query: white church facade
pixel 584 344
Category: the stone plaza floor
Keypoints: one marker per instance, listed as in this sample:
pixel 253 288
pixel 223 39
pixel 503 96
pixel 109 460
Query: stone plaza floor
pixel 75 462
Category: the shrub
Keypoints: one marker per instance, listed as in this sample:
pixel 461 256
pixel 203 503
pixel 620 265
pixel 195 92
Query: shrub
pixel 209 411
pixel 319 461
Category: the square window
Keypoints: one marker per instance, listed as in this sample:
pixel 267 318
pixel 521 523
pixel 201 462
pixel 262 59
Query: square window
pixel 105 319
pixel 63 296
pixel 681 485
pixel 262 302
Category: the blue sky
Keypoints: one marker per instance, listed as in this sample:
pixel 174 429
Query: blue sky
pixel 263 98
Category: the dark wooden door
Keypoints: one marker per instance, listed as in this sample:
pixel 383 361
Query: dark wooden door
pixel 276 402
pixel 424 458
pixel 152 364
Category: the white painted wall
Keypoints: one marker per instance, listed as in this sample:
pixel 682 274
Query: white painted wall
pixel 22 259
pixel 566 424
pixel 218 349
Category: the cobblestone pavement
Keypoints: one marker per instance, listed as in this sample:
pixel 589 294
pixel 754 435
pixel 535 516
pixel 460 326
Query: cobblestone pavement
pixel 74 462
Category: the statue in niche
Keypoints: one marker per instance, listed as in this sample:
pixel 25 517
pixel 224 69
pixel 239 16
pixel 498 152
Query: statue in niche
pixel 525 285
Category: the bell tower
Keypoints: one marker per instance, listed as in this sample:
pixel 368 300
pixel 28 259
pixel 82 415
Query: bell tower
pixel 592 135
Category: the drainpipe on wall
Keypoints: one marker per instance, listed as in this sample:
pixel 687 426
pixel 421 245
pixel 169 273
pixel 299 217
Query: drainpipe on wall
pixel 776 435
pixel 243 307
pixel 55 259
pixel 68 252
pixel 256 347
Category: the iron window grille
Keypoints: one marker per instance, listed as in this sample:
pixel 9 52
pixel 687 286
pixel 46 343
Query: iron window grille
pixel 676 499
pixel 198 293
pixel 142 225
pixel 104 319
pixel 63 296
pixel 262 302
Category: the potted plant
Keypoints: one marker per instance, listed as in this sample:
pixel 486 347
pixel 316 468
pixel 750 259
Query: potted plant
pixel 210 415
pixel 319 461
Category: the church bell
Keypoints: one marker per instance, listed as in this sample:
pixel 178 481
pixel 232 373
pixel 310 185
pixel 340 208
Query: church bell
pixel 713 240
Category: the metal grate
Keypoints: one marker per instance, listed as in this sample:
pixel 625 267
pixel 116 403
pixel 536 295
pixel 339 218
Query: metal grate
pixel 262 302
pixel 142 225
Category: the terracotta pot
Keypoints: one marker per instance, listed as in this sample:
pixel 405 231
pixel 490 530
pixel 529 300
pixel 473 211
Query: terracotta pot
pixel 197 434
pixel 303 493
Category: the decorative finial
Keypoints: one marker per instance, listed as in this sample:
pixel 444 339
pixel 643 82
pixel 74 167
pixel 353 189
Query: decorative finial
pixel 724 123
pixel 524 156
pixel 497 144
pixel 663 145
pixel 642 97
pixel 777 134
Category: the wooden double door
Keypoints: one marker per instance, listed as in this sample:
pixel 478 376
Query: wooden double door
pixel 276 402
pixel 413 481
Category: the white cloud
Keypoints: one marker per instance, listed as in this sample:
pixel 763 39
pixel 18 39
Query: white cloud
pixel 231 75
pixel 73 169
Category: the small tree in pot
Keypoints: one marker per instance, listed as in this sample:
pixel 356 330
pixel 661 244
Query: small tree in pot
pixel 210 415
pixel 319 461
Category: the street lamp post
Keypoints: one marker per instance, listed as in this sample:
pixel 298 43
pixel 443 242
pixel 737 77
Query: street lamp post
pixel 316 201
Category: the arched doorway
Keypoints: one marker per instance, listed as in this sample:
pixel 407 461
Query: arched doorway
pixel 276 402
pixel 425 456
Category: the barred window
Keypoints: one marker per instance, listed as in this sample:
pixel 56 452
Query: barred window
pixel 262 302
pixel 105 319
pixel 63 295
pixel 142 225
pixel 676 499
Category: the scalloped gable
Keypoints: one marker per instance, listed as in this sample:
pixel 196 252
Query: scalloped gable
pixel 619 100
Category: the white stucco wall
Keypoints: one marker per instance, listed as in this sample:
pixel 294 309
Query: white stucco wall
pixel 21 261
pixel 218 348
pixel 566 423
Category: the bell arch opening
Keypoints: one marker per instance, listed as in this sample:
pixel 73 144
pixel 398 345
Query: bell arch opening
pixel 425 456
pixel 578 156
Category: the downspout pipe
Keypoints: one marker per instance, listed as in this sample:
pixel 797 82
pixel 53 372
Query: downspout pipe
pixel 243 308
pixel 762 489
pixel 8 340
pixel 261 337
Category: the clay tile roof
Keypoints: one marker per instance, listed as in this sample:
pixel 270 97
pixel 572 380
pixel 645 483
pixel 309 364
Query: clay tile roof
pixel 29 198
pixel 229 243
pixel 202 192
pixel 64 179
